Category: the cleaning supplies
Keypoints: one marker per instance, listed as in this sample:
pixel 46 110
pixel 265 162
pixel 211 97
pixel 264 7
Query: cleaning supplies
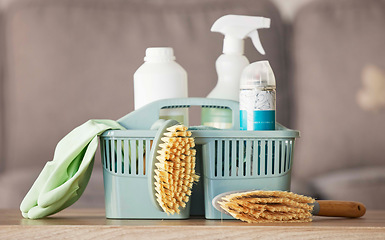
pixel 173 166
pixel 63 180
pixel 257 97
pixel 230 64
pixel 258 206
pixel 265 206
pixel 160 77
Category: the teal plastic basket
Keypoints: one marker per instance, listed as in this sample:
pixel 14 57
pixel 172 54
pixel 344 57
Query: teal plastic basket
pixel 227 160
pixel 245 160
pixel 126 166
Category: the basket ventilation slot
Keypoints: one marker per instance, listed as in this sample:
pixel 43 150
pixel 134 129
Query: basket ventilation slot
pixel 126 156
pixel 249 158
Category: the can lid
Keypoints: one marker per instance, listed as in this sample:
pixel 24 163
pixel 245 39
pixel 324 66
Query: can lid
pixel 159 54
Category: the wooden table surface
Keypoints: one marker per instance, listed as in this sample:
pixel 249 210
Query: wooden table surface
pixel 92 224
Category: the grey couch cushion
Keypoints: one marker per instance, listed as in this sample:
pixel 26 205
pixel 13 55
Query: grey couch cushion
pixel 334 43
pixel 366 185
pixel 73 60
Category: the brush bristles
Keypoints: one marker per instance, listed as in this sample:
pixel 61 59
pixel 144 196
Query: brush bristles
pixel 268 206
pixel 175 169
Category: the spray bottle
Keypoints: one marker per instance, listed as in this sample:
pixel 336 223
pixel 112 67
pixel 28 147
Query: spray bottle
pixel 257 97
pixel 231 63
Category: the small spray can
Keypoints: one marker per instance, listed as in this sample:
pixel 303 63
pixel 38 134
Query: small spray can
pixel 257 97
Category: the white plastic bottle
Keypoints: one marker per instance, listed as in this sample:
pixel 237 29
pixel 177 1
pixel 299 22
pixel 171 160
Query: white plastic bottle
pixel 160 77
pixel 257 97
pixel 230 64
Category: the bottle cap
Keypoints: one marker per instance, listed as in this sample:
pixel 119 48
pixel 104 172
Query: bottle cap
pixel 159 54
pixel 258 74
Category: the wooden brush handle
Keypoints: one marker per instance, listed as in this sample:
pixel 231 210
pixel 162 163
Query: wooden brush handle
pixel 341 208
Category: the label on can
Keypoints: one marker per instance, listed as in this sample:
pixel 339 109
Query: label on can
pixel 257 109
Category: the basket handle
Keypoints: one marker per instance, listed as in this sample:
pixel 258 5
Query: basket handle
pixel 144 117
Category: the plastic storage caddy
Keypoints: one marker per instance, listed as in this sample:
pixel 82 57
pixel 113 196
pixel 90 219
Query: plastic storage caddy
pixel 227 160
pixel 245 160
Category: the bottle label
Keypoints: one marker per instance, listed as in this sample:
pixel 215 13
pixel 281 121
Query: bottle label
pixel 257 109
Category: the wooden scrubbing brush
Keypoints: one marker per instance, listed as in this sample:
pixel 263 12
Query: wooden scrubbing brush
pixel 281 206
pixel 173 171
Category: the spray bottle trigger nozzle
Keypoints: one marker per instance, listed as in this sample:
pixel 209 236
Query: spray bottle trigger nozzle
pixel 256 41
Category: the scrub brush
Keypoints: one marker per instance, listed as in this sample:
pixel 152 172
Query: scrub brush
pixel 282 206
pixel 173 166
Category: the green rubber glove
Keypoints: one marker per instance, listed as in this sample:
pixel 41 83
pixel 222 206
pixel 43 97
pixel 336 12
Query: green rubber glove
pixel 63 180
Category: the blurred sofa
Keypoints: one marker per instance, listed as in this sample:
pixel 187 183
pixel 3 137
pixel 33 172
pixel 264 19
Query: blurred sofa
pixel 66 61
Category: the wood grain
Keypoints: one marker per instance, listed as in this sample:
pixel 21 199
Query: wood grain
pixel 92 224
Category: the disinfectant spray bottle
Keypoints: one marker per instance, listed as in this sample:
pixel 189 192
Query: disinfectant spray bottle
pixel 257 97
pixel 230 64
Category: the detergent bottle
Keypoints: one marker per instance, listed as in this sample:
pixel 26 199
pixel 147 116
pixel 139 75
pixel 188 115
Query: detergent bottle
pixel 161 77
